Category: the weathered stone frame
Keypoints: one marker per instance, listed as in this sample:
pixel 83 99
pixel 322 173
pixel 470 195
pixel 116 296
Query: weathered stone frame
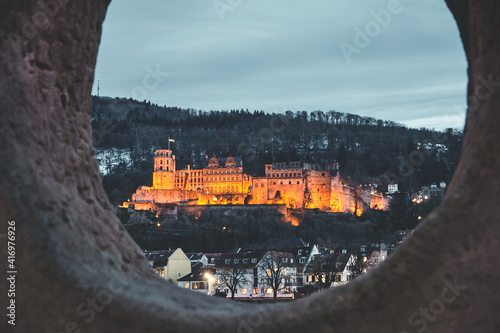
pixel 71 249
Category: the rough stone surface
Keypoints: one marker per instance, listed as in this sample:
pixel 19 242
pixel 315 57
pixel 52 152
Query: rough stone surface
pixel 71 248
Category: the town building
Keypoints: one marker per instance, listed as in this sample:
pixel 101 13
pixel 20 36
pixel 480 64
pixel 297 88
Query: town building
pixel 428 192
pixel 373 255
pixel 254 271
pixel 200 280
pixel 392 188
pixel 330 270
pixel 169 264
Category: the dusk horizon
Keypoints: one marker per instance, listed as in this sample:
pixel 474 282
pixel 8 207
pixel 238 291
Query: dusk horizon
pixel 368 60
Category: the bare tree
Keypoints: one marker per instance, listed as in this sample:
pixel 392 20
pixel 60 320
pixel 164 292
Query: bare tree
pixel 274 271
pixel 231 278
pixel 325 270
pixel 357 266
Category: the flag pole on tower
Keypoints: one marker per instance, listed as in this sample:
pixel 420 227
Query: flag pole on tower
pixel 170 140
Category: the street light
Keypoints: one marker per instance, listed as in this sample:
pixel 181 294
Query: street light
pixel 209 278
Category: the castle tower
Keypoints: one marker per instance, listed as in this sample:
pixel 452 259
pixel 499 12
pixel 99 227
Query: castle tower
pixel 164 170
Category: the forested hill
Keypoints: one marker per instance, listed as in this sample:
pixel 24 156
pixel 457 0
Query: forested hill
pixel 366 148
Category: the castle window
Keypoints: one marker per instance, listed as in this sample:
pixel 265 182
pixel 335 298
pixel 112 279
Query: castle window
pixel 281 182
pixel 289 182
pixel 298 182
pixel 274 183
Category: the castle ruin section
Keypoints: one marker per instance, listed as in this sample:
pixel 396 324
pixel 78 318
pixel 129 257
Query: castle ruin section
pixel 222 181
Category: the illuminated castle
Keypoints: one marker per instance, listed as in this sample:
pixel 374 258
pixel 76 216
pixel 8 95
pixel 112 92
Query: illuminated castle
pixel 222 181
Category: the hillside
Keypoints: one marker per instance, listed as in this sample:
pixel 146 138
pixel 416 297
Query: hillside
pixel 369 150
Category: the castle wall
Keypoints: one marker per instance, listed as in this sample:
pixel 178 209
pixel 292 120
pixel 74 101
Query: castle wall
pixel 164 170
pixel 163 180
pixel 260 190
pixel 378 201
pixel 224 210
pixel 214 180
pixel 189 179
pixel 149 194
pixel 223 182
pixel 319 188
pixel 221 199
pixel 289 191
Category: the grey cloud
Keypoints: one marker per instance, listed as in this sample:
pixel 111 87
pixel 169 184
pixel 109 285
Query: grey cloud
pixel 285 55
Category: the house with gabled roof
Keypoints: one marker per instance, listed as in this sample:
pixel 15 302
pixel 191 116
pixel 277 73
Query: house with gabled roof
pixel 330 270
pixel 283 243
pixel 198 257
pixel 169 264
pixel 201 279
pixel 252 267
pixel 301 251
pixel 377 254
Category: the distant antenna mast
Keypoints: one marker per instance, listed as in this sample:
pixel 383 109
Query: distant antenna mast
pixel 98 87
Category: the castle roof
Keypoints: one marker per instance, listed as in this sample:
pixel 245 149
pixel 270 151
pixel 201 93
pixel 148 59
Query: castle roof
pixel 222 161
pixel 283 243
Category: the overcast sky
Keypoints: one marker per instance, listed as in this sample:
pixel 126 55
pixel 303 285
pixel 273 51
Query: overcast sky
pixel 408 66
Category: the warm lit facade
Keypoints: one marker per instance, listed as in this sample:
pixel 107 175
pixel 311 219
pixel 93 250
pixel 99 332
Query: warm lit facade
pixel 222 176
pixel 222 181
pixel 296 184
